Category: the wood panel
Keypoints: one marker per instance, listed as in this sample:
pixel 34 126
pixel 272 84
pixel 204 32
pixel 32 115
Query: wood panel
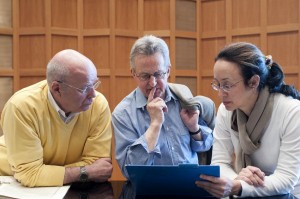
pixel 5 13
pixel 6 52
pixel 95 14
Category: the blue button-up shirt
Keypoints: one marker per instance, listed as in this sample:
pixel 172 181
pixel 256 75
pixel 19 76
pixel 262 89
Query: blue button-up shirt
pixel 175 146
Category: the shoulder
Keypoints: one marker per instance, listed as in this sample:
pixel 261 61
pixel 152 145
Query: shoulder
pixel 31 95
pixel 100 103
pixel 285 104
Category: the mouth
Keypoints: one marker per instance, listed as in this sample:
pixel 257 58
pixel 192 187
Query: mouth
pixel 226 103
pixel 88 102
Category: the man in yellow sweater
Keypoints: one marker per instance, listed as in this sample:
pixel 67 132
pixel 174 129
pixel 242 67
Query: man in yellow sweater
pixel 58 131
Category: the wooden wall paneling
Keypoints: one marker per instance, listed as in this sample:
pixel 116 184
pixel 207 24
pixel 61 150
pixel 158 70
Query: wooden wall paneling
pixel 245 14
pixel 186 54
pixel 96 14
pixel 6 13
pixel 97 49
pixel 190 82
pixel 156 15
pixel 213 16
pixel 61 42
pixel 32 51
pixel 212 32
pixel 6 51
pixel 287 58
pixel 123 46
pixel 282 12
pixel 292 79
pixel 254 39
pixel 209 49
pixel 64 14
pixel 29 80
pixel 80 25
pixel 48 30
pixel 32 14
pixel 16 48
pixel 186 15
pixel 127 15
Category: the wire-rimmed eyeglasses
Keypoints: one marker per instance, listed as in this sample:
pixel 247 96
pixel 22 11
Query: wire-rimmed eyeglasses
pixel 147 76
pixel 226 87
pixel 82 90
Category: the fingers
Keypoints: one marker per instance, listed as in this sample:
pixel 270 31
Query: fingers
pixel 151 95
pixel 107 160
pixel 257 171
pixel 252 175
pixel 157 102
pixel 215 186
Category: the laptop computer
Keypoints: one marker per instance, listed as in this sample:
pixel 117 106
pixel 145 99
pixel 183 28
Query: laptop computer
pixel 169 180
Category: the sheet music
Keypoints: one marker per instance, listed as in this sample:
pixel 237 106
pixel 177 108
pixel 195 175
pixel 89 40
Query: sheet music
pixel 9 187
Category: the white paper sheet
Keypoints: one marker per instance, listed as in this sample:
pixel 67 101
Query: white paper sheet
pixel 9 187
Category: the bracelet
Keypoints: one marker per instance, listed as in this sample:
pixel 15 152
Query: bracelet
pixel 194 133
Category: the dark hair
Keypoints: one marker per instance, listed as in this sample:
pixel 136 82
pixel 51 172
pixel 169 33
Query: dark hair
pixel 252 62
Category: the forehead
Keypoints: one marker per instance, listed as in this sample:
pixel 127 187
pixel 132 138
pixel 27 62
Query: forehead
pixel 149 63
pixel 225 70
pixel 83 75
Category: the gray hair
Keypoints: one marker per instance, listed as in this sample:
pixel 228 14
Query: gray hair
pixel 149 45
pixel 56 70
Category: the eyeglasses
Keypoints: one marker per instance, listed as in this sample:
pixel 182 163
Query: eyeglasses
pixel 147 76
pixel 85 89
pixel 226 87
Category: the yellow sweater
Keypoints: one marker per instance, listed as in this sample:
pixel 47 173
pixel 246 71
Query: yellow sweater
pixel 39 145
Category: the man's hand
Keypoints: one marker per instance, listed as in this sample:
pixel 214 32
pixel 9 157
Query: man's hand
pixel 190 119
pixel 100 170
pixel 156 108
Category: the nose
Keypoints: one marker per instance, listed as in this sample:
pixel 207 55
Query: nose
pixel 221 93
pixel 152 81
pixel 91 93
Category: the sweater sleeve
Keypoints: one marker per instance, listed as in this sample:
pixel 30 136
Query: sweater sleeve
pixel 25 151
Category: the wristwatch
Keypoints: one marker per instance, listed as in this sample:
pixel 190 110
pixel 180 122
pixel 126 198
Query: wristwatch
pixel 83 174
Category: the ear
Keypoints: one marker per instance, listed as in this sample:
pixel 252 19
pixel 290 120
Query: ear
pixel 55 88
pixel 169 71
pixel 254 81
pixel 132 72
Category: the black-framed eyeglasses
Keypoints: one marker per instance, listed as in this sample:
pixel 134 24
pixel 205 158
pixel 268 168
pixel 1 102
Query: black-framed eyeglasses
pixel 82 90
pixel 226 87
pixel 147 76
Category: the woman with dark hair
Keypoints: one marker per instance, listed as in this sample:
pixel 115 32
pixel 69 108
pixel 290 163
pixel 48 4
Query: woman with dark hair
pixel 257 132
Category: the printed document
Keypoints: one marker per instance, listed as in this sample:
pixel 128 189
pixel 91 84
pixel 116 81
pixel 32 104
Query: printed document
pixel 10 188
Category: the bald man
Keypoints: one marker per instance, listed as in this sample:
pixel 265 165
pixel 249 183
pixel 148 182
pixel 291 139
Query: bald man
pixel 58 131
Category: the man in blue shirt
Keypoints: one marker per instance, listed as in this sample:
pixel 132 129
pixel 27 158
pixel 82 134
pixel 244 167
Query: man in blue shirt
pixel 150 125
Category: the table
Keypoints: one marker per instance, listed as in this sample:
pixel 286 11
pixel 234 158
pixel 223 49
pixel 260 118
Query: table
pixel 125 190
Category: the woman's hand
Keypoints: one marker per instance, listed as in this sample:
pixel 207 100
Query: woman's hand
pixel 219 187
pixel 252 175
